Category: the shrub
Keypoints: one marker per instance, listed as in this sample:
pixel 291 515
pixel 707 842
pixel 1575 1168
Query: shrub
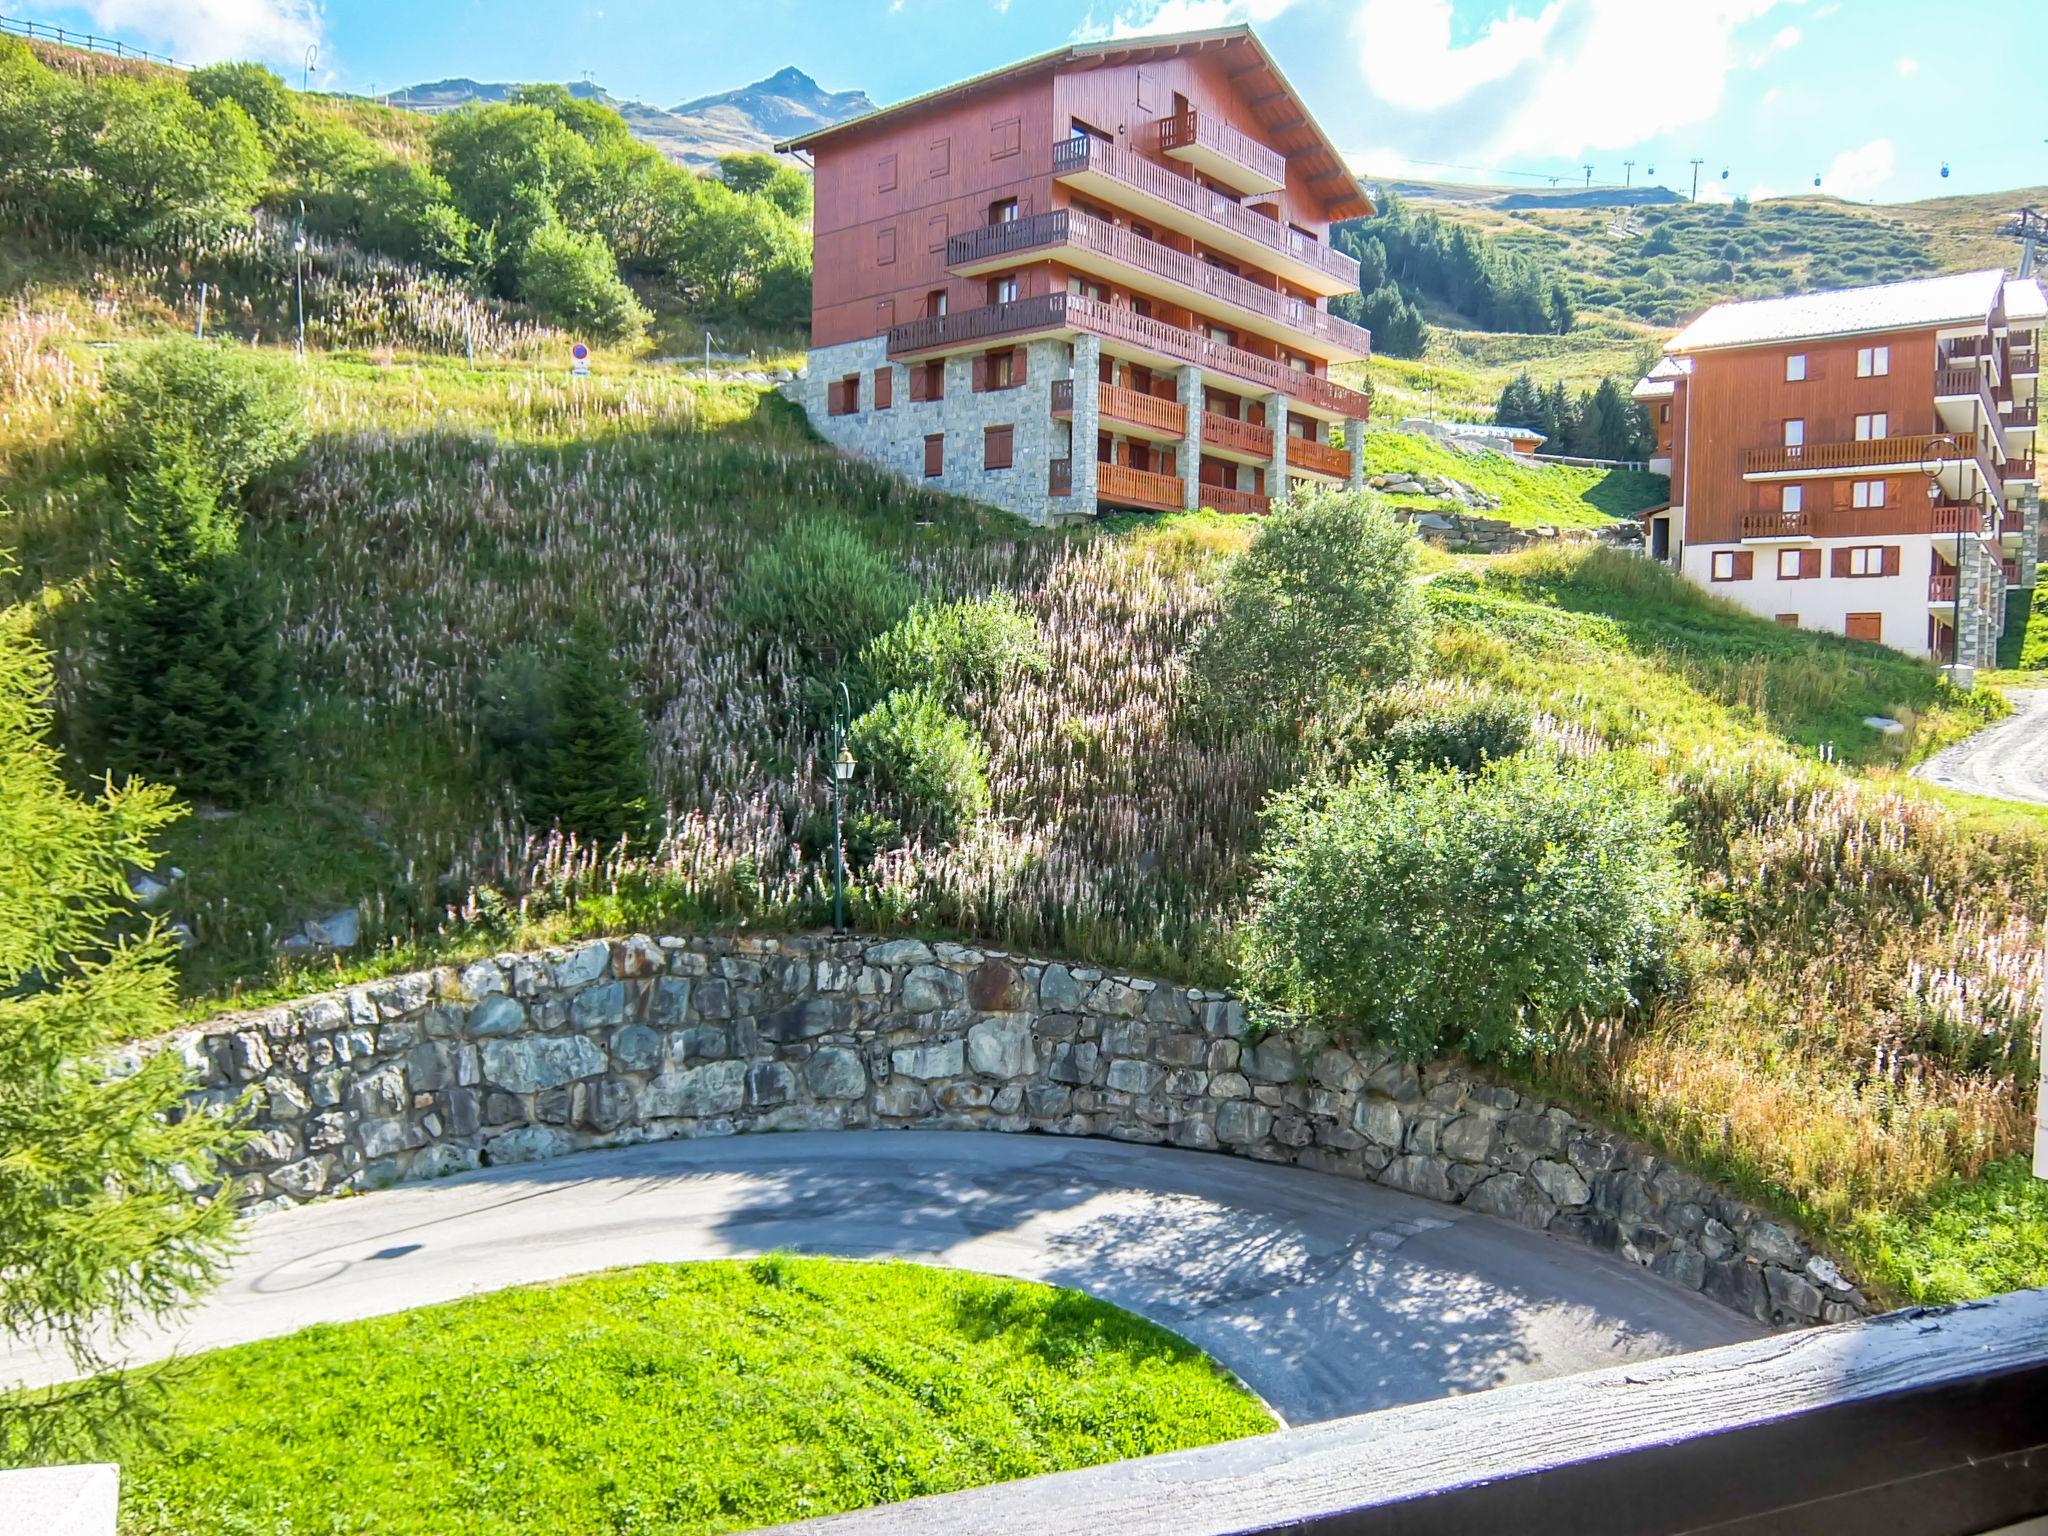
pixel 823 590
pixel 594 778
pixel 571 280
pixel 1321 603
pixel 924 764
pixel 954 649
pixel 1465 736
pixel 197 407
pixel 251 87
pixel 515 720
pixel 190 686
pixel 1438 913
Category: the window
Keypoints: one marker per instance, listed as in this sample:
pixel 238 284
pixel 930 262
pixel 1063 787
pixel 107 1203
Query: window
pixel 885 387
pixel 1086 288
pixel 1003 290
pixel 885 245
pixel 1005 137
pixel 1873 363
pixel 995 447
pixel 935 303
pixel 1867 493
pixel 1664 415
pixel 885 174
pixel 941 158
pixel 1221 334
pixel 1872 427
pixel 1790 563
pixel 1795 437
pixel 842 396
pixel 928 381
pixel 1733 565
pixel 1086 131
pixel 1795 368
pixel 934 455
pixel 1864 626
pixel 1301 239
pixel 1003 212
pixel 1792 498
pixel 1003 369
pixel 1867 560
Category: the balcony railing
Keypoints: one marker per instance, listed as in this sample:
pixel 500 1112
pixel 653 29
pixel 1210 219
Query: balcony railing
pixel 2028 415
pixel 1955 516
pixel 1062 311
pixel 1229 435
pixel 1197 131
pixel 1778 525
pixel 1941 589
pixel 1059 477
pixel 1066 227
pixel 2020 467
pixel 1317 456
pixel 1868 453
pixel 2011 570
pixel 1071 157
pixel 1221 498
pixel 1124 486
pixel 2023 360
pixel 1134 407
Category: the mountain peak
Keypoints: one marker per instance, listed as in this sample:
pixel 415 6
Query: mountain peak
pixel 787 102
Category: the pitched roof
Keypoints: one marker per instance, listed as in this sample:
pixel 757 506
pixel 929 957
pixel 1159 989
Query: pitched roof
pixel 1284 118
pixel 2024 299
pixel 1960 298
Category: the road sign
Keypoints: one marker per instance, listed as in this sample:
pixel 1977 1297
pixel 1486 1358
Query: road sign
pixel 582 355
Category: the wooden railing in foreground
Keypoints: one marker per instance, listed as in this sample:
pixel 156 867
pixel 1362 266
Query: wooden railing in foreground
pixel 1928 1422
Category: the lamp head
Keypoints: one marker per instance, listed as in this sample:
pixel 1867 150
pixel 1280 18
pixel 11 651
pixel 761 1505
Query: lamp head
pixel 842 765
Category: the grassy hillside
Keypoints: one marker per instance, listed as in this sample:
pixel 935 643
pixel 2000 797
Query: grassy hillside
pixel 1531 494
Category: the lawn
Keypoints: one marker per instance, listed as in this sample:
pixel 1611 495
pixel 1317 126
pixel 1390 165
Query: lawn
pixel 1531 494
pixel 2024 645
pixel 676 1399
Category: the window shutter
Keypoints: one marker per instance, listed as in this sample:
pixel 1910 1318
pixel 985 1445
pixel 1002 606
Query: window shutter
pixel 1016 365
pixel 980 372
pixel 885 387
pixel 1809 563
pixel 1838 563
pixel 934 455
pixel 1891 559
pixel 1745 564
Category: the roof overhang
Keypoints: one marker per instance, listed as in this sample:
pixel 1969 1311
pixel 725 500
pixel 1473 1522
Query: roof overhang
pixel 1279 111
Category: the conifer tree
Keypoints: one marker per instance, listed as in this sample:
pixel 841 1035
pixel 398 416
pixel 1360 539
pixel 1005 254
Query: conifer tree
pixel 594 782
pixel 99 1219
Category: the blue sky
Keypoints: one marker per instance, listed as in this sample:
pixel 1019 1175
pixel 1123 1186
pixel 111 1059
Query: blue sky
pixel 1871 95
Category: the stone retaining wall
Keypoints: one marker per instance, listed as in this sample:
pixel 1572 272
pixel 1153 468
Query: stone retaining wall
pixel 614 1042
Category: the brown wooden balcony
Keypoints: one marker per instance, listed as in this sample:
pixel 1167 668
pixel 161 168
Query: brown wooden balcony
pixel 1778 525
pixel 2011 570
pixel 1318 457
pixel 1147 415
pixel 1872 453
pixel 1223 498
pixel 1059 477
pixel 1221 152
pixel 1055 313
pixel 1940 588
pixel 1111 251
pixel 1226 434
pixel 2022 360
pixel 2027 416
pixel 1121 176
pixel 2019 467
pixel 1122 486
pixel 1948 516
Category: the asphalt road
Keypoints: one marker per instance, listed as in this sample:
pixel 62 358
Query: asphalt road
pixel 2008 760
pixel 1327 1297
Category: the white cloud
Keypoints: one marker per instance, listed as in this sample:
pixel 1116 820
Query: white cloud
pixel 1859 172
pixel 1143 18
pixel 1568 78
pixel 1908 68
pixel 203 31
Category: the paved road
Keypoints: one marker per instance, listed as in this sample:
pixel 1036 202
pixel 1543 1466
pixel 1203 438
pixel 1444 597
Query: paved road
pixel 2008 760
pixel 1326 1296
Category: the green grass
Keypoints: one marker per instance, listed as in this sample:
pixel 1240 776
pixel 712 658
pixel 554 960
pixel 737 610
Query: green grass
pixel 1531 494
pixel 2024 645
pixel 1461 373
pixel 674 1398
pixel 1968 1237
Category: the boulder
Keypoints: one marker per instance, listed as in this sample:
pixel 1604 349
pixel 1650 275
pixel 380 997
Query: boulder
pixel 529 1064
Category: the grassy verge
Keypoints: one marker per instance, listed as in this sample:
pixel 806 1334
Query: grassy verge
pixel 2024 645
pixel 1964 1238
pixel 1531 494
pixel 675 1398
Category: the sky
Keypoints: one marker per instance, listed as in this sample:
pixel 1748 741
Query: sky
pixel 1872 96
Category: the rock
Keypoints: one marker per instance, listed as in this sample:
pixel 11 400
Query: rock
pixel 498 1015
pixel 1134 1077
pixel 1681 1266
pixel 1884 725
pixel 1561 1182
pixel 929 988
pixel 836 1073
pixel 598 1007
pixel 146 888
pixel 945 1059
pixel 718 1088
pixel 528 1144
pixel 995 987
pixel 1002 1047
pixel 301 1180
pixel 899 952
pixel 1418 1175
pixel 1073 1062
pixel 338 930
pixel 1058 992
pixel 1273 1060
pixel 806 1020
pixel 1512 1197
pixel 1379 1121
pixel 1770 1243
pixel 584 964
pixel 769 1083
pixel 636 1048
pixel 637 956
pixel 381 1093
pixel 1469 1139
pixel 1735 1284
pixel 1823 1272
pixel 1793 1297
pixel 1242 1123
pixel 903 1101
pixel 528 1064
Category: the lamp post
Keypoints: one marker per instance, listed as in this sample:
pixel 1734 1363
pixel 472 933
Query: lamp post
pixel 1940 451
pixel 299 276
pixel 842 775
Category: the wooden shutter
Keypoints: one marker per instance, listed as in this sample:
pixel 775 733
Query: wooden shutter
pixel 934 455
pixel 885 245
pixel 996 447
pixel 885 174
pixel 1838 563
pixel 1809 563
pixel 1016 365
pixel 1891 559
pixel 1745 564
pixel 885 387
pixel 1864 626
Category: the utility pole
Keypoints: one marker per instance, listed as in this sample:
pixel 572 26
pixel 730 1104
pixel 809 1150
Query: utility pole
pixel 1589 176
pixel 199 330
pixel 1696 181
pixel 1628 174
pixel 299 276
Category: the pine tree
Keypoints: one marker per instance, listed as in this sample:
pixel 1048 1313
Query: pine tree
pixel 1521 403
pixel 595 781
pixel 98 1229
pixel 190 686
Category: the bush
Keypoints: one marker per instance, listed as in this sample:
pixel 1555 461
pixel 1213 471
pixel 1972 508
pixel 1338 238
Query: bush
pixel 1438 913
pixel 924 764
pixel 593 781
pixel 1466 736
pixel 251 87
pixel 1322 602
pixel 515 720
pixel 571 280
pixel 196 407
pixel 954 649
pixel 821 589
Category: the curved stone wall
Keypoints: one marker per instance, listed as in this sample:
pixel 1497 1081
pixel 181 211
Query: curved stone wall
pixel 611 1042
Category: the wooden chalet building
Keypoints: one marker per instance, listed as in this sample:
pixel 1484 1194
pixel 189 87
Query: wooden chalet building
pixel 1098 279
pixel 1860 461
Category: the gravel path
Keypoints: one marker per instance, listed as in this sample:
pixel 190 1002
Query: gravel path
pixel 2008 761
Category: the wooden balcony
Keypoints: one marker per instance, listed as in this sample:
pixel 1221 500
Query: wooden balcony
pixel 1120 485
pixel 1218 498
pixel 1228 435
pixel 1873 453
pixel 2011 571
pixel 1110 251
pixel 1222 152
pixel 2025 417
pixel 1121 176
pixel 1947 516
pixel 2020 467
pixel 1318 457
pixel 1153 340
pixel 1941 589
pixel 1779 525
pixel 1059 477
pixel 1148 415
pixel 2022 360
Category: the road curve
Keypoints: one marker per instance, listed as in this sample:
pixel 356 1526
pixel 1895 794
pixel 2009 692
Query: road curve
pixel 2008 761
pixel 1326 1296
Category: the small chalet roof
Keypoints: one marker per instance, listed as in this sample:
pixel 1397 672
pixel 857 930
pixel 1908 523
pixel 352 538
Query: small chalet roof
pixel 1961 298
pixel 1660 382
pixel 1490 429
pixel 1284 117
pixel 2024 299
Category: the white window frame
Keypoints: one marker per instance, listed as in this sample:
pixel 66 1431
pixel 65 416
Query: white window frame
pixel 1795 433
pixel 1873 362
pixel 1873 426
pixel 1792 498
pixel 1788 564
pixel 1722 565
pixel 1866 560
pixel 1867 493
pixel 1006 288
pixel 1795 368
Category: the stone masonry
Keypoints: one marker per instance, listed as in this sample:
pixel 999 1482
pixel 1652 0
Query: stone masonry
pixel 608 1043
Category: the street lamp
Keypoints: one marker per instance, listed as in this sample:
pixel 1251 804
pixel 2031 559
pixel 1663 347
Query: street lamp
pixel 1940 451
pixel 842 775
pixel 299 276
